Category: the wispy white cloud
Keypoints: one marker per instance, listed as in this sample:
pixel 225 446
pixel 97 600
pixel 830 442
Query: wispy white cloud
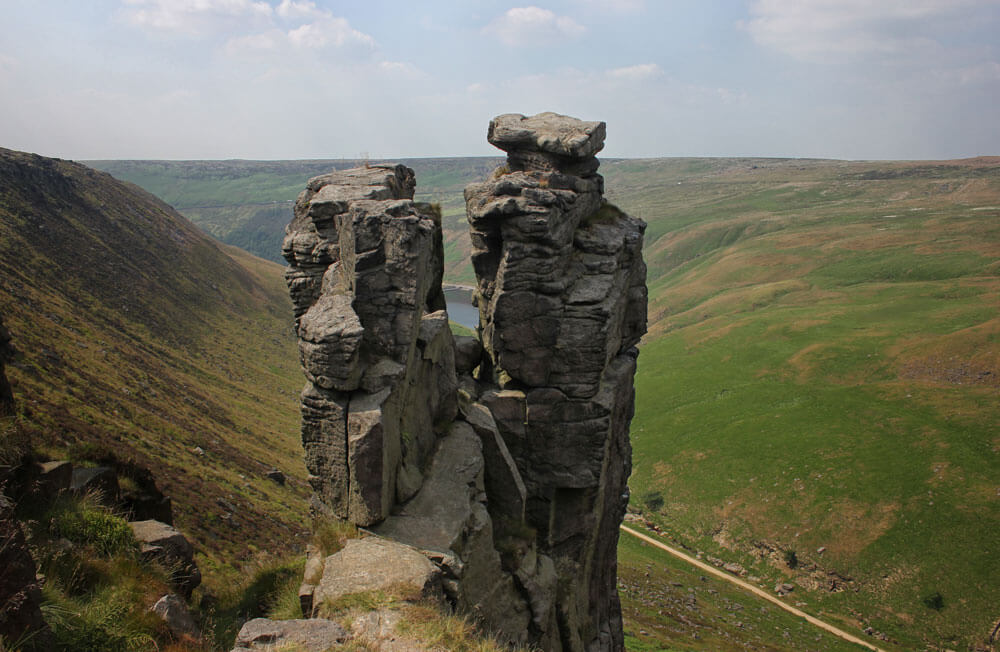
pixel 299 9
pixel 617 6
pixel 637 72
pixel 195 17
pixel 250 26
pixel 985 72
pixel 533 26
pixel 401 69
pixel 262 42
pixel 659 108
pixel 817 30
pixel 7 63
pixel 326 31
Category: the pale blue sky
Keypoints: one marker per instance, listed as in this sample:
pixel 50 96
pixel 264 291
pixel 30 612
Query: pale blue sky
pixel 297 79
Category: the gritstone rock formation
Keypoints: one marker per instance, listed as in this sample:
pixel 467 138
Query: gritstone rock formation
pixel 562 304
pixel 365 278
pixel 513 482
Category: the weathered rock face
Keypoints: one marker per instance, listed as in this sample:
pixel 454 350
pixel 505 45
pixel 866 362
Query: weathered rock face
pixel 562 302
pixel 314 634
pixel 165 544
pixel 513 483
pixel 365 277
pixel 20 592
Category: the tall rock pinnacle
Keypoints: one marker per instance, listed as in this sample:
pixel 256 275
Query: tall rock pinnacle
pixel 365 278
pixel 562 304
pixel 503 459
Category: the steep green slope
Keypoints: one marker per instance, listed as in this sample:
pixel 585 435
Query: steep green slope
pixel 248 203
pixel 821 373
pixel 668 605
pixel 141 336
pixel 822 378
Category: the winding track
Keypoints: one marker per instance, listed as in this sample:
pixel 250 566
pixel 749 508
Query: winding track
pixel 753 589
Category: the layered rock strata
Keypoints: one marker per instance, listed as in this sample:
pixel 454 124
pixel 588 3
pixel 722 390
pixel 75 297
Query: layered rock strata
pixel 504 459
pixel 562 303
pixel 365 278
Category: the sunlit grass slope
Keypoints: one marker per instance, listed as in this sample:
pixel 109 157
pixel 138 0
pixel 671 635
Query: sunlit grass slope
pixel 141 336
pixel 822 373
pixel 248 203
pixel 669 605
pixel 821 370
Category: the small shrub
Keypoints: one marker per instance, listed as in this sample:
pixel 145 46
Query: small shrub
pixel 86 522
pixel 259 596
pixel 440 631
pixel 361 602
pixel 270 591
pixel 653 501
pixel 934 601
pixel 791 559
pixel 110 620
pixel 73 573
pixel 330 536
pixel 607 214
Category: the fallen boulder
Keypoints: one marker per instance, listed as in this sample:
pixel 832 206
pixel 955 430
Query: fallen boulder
pixel 312 635
pixel 165 544
pixel 174 612
pixel 97 479
pixel 374 564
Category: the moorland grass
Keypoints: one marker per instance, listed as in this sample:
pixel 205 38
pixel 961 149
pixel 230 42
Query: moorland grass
pixel 815 376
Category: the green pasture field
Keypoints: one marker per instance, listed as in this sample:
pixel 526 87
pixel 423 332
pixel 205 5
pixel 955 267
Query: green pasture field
pixel 822 369
pixel 823 376
pixel 670 606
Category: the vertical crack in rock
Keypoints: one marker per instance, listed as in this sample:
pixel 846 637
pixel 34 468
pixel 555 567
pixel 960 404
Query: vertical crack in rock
pixel 562 303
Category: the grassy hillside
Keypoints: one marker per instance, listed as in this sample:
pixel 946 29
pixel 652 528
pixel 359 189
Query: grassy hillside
pixel 248 203
pixel 822 374
pixel 140 336
pixel 669 605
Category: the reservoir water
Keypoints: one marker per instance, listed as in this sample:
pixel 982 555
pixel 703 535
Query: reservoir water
pixel 460 308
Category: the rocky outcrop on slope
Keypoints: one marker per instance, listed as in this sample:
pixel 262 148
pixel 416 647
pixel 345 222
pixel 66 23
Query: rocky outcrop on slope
pixel 165 544
pixel 365 278
pixel 512 482
pixel 562 302
pixel 383 443
pixel 21 621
